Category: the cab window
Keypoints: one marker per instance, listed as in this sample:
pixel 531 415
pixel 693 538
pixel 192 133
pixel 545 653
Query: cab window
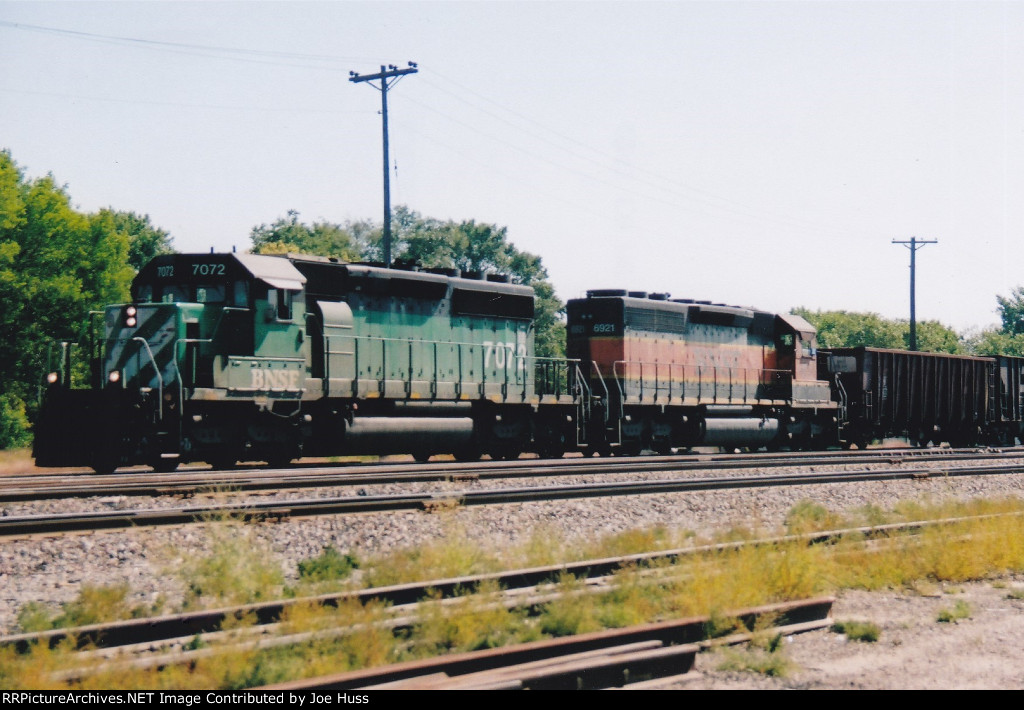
pixel 209 293
pixel 281 301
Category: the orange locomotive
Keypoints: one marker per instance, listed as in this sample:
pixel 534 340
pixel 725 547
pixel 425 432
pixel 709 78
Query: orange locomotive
pixel 675 373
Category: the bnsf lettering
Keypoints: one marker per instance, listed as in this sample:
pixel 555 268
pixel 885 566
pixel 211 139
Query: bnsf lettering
pixel 207 269
pixel 164 271
pixel 265 379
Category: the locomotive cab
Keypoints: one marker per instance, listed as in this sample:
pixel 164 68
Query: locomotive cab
pixel 796 352
pixel 204 336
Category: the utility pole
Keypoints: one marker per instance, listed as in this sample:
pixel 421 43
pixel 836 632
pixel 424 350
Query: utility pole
pixel 913 245
pixel 387 77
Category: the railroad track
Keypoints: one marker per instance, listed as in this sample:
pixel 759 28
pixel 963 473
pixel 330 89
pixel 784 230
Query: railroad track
pixel 186 625
pixel 605 659
pixel 34 486
pixel 280 510
pixel 629 657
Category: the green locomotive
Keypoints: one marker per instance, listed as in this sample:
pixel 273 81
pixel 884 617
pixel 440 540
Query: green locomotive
pixel 228 357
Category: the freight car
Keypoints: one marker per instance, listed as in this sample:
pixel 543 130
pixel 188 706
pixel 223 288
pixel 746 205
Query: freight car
pixel 223 357
pixel 925 397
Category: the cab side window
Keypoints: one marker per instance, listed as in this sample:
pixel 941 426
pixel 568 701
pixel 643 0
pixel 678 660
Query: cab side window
pixel 281 301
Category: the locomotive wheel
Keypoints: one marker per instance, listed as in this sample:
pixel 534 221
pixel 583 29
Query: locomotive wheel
pixel 551 451
pixel 421 456
pixel 162 465
pixel 104 462
pixel 221 464
pixel 552 447
pixel 505 453
pixel 470 453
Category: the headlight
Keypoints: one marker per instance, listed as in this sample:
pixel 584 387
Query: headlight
pixel 130 322
pixel 130 311
pixel 114 376
pixel 51 378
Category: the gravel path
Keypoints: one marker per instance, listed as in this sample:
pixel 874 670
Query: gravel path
pixel 914 650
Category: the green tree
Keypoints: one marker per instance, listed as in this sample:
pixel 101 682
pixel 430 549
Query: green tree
pixel 1011 311
pixel 995 342
pixel 144 240
pixel 55 265
pixel 289 235
pixel 1009 338
pixel 845 329
pixel 934 337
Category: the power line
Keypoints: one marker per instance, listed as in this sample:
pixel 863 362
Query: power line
pixel 201 49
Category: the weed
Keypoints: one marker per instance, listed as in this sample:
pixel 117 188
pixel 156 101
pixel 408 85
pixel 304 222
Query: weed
pixel 754 659
pixel 453 555
pixel 858 630
pixel 872 515
pixel 476 621
pixel 961 610
pixel 808 516
pixel 35 616
pixel 237 570
pixel 93 605
pixel 330 565
pixel 719 625
pixel 1016 594
pixel 571 613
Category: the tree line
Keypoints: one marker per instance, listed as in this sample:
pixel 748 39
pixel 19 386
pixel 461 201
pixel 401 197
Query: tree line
pixel 842 329
pixel 57 264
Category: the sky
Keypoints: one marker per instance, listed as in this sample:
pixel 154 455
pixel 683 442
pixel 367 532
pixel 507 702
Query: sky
pixel 761 154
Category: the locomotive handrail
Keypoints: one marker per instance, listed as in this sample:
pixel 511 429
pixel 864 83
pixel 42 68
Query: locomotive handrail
pixel 604 386
pixel 520 367
pixel 842 398
pixel 512 370
pixel 159 377
pixel 548 365
pixel 763 377
pixel 177 370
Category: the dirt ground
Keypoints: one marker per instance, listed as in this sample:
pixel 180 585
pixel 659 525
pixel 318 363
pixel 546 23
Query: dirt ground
pixel 984 650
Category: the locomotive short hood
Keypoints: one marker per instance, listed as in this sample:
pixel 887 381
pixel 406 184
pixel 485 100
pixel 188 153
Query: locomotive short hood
pixel 275 271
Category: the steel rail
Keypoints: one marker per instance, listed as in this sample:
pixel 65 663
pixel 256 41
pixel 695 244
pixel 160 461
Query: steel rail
pixel 26 488
pixel 601 659
pixel 276 510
